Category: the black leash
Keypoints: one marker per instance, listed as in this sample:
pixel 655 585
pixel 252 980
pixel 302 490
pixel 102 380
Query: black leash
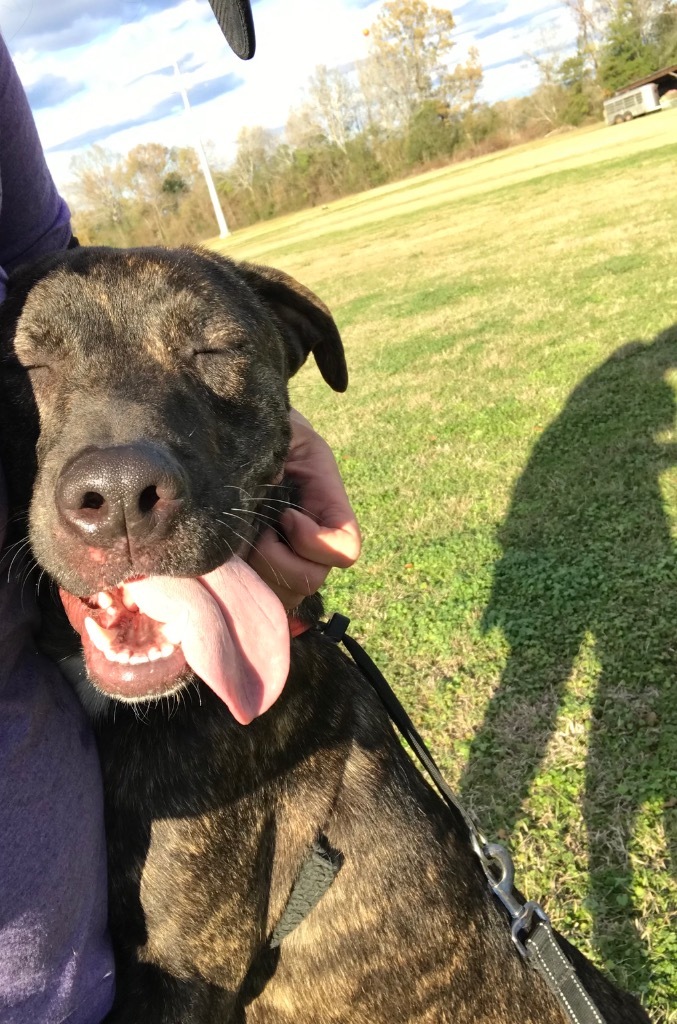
pixel 530 926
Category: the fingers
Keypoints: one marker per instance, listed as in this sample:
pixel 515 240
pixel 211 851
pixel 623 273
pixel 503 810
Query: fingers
pixel 328 537
pixel 335 541
pixel 289 576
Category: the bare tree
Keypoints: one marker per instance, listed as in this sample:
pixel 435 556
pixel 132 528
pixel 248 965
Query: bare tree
pixel 548 99
pixel 148 165
pixel 408 61
pixel 301 129
pixel 591 18
pixel 460 87
pixel 333 105
pixel 255 147
pixel 98 189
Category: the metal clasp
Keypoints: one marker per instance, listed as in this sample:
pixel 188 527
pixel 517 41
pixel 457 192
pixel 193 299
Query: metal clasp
pixel 500 872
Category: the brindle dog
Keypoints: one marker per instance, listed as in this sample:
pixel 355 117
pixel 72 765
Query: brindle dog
pixel 181 359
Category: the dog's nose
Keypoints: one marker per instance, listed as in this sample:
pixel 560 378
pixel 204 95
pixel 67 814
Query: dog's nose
pixel 134 490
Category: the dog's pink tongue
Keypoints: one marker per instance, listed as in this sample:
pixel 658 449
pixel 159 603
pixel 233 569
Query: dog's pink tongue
pixel 232 629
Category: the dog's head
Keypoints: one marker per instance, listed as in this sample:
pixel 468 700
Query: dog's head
pixel 144 411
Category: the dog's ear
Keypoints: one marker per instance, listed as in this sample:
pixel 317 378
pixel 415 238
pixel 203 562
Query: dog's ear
pixel 307 324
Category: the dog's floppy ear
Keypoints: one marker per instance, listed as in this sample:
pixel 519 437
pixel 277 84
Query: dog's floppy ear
pixel 307 324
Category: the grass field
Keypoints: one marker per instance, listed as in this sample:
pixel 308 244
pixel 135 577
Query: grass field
pixel 509 443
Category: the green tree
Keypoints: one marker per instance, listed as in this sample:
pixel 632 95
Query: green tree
pixel 577 81
pixel 432 133
pixel 626 54
pixel 591 18
pixel 154 194
pixel 663 35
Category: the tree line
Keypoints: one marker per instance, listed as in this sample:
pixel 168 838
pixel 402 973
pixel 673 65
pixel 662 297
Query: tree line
pixel 406 107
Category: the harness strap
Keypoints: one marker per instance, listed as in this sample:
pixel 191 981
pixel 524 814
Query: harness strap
pixel 530 927
pixel 317 873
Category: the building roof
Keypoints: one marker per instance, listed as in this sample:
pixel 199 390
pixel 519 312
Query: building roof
pixel 669 72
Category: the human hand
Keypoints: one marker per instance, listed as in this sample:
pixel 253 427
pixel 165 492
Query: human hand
pixel 327 537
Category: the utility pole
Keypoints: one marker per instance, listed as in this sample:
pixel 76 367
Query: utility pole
pixel 204 166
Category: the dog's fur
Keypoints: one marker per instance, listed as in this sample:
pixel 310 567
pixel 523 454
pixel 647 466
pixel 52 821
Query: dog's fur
pixel 209 822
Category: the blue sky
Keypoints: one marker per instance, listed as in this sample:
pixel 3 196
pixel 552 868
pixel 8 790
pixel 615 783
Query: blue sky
pixel 96 71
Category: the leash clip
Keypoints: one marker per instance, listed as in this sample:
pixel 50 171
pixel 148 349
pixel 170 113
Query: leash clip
pixel 500 871
pixel 530 927
pixel 335 628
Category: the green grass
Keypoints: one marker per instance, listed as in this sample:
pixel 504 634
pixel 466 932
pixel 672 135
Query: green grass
pixel 509 444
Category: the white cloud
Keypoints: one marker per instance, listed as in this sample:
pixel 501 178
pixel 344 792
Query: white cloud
pixel 131 39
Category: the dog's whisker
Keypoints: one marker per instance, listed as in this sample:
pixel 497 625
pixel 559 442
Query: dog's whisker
pixel 10 547
pixel 25 564
pixel 269 502
pixel 238 519
pixel 172 705
pixel 24 572
pixel 17 554
pixel 227 542
pixel 23 585
pixel 256 515
pixel 16 517
pixel 40 579
pixel 140 713
pixel 281 501
pixel 279 578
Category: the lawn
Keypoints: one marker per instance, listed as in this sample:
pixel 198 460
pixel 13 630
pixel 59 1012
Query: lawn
pixel 510 446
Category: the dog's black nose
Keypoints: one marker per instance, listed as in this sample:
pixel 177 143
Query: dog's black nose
pixel 133 490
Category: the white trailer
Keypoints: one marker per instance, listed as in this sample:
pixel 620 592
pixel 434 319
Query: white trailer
pixel 634 103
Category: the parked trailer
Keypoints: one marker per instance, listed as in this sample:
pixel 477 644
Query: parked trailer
pixel 633 103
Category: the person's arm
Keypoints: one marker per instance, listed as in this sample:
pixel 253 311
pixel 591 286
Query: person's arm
pixel 56 962
pixel 34 219
pixel 327 537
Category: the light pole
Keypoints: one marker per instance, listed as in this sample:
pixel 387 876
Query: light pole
pixel 204 166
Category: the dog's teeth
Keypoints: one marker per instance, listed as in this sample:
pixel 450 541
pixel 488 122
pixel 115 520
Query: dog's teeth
pixel 104 600
pixel 156 653
pixel 100 637
pixel 139 659
pixel 128 602
pixel 124 657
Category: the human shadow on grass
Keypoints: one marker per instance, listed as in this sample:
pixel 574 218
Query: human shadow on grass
pixel 588 551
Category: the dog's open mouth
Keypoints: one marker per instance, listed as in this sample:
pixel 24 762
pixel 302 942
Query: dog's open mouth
pixel 144 638
pixel 129 655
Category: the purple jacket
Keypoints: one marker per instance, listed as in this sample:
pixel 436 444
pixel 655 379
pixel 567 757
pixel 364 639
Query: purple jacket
pixel 56 963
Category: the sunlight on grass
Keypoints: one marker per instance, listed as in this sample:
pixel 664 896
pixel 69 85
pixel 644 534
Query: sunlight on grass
pixel 508 441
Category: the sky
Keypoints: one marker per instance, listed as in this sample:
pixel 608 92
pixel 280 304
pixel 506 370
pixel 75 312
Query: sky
pixel 98 71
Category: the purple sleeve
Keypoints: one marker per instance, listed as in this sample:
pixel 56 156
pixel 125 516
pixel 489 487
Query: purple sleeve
pixel 34 219
pixel 56 961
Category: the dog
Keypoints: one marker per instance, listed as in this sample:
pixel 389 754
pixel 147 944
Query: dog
pixel 143 421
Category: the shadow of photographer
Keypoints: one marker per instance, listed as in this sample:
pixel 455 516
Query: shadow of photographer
pixel 588 553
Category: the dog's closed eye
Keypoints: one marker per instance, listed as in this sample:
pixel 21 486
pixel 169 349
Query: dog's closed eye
pixel 210 352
